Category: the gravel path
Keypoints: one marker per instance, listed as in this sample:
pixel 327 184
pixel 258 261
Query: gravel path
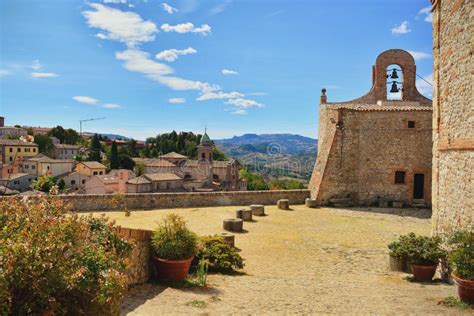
pixel 304 261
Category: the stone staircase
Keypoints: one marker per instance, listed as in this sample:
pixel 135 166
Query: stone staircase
pixel 419 203
pixel 340 202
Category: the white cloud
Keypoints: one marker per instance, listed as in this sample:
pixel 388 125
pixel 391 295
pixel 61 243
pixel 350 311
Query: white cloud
pixel 239 111
pixel 229 72
pixel 114 1
pixel 423 86
pixel 177 100
pixel 177 83
pixel 427 13
pixel 419 55
pixel 126 27
pixel 36 65
pixel 138 61
pixel 244 103
pixel 4 72
pixel 43 75
pixel 169 8
pixel 401 29
pixel 187 28
pixel 172 54
pixel 84 99
pixel 220 7
pixel 219 95
pixel 111 106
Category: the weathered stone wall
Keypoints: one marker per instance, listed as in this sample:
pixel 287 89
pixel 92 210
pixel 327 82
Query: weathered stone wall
pixel 92 202
pixel 139 263
pixel 367 149
pixel 453 115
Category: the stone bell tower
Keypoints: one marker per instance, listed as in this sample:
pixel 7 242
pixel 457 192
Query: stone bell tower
pixel 376 149
pixel 204 150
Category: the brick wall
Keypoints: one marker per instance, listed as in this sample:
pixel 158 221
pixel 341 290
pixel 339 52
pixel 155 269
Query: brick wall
pixel 453 115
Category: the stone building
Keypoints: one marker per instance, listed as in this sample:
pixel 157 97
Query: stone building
pixel 376 149
pixel 10 131
pixel 204 174
pixel 453 115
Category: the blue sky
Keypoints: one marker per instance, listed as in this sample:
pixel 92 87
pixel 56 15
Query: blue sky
pixel 253 66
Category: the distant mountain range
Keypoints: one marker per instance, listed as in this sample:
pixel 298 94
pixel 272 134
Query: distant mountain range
pixel 273 155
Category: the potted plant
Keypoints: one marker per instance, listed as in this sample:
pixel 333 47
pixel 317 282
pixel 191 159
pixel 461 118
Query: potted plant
pixel 423 254
pixel 397 256
pixel 461 258
pixel 174 248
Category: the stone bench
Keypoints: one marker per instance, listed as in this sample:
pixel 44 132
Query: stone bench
pixel 244 214
pixel 257 209
pixel 233 225
pixel 283 204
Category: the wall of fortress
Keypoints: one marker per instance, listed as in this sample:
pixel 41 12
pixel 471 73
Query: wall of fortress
pixel 144 201
pixel 364 153
pixel 453 115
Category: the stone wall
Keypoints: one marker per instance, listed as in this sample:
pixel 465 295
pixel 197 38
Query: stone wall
pixel 365 152
pixel 453 115
pixel 139 262
pixel 132 201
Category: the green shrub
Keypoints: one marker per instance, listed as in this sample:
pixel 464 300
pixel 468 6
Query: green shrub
pixel 220 256
pixel 461 257
pixel 173 241
pixel 52 260
pixel 420 250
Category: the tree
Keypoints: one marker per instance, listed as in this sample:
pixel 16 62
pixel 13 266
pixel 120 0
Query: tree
pixel 139 169
pixel 43 183
pixel 95 149
pixel 65 136
pixel 126 162
pixel 61 185
pixel 114 156
pixel 44 143
pixel 254 180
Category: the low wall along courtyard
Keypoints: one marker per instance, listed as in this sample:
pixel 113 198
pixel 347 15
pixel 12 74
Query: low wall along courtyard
pixel 144 201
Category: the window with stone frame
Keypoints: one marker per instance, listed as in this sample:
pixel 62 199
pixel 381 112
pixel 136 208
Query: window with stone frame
pixel 400 177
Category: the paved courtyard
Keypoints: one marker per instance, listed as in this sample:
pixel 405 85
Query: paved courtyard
pixel 303 261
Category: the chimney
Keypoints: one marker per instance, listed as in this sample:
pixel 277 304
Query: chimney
pixel 2 121
pixel 323 98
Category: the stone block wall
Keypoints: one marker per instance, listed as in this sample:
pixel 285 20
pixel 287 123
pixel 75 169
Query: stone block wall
pixel 360 158
pixel 453 116
pixel 139 262
pixel 144 201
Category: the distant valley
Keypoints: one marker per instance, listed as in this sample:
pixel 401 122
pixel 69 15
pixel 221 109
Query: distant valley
pixel 275 156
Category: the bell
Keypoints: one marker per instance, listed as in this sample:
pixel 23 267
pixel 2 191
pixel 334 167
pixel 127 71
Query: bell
pixel 394 74
pixel 394 88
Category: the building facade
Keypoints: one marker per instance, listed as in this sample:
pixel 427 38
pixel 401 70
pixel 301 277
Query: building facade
pixel 376 149
pixel 453 116
pixel 91 168
pixel 13 150
pixel 66 151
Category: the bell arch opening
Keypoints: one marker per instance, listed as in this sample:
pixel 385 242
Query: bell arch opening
pixel 394 82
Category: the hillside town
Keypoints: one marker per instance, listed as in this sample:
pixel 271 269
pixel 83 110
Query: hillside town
pixel 76 169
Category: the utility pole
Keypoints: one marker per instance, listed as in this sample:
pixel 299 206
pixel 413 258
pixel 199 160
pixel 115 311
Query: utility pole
pixel 87 120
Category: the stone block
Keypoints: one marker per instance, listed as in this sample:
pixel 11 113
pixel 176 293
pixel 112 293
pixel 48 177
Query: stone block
pixel 311 203
pixel 233 224
pixel 283 204
pixel 257 209
pixel 228 238
pixel 397 204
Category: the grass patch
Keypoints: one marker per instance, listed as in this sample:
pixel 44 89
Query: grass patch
pixel 197 304
pixel 452 301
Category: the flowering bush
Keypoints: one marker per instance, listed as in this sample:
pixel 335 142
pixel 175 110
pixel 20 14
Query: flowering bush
pixel 52 260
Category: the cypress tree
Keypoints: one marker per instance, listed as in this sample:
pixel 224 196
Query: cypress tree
pixel 114 156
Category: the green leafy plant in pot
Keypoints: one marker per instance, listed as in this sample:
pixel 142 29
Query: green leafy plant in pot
pixel 423 253
pixel 174 247
pixel 398 254
pixel 461 258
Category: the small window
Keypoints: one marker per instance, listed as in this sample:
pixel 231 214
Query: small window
pixel 33 167
pixel 94 173
pixel 399 177
pixel 411 124
pixel 83 181
pixel 73 182
pixel 203 156
pixel 34 150
pixel 11 150
pixel 18 150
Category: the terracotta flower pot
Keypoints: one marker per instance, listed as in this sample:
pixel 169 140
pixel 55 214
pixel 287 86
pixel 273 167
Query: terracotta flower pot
pixel 465 289
pixel 423 272
pixel 172 270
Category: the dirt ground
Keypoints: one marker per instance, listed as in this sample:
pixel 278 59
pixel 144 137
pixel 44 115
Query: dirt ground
pixel 303 261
